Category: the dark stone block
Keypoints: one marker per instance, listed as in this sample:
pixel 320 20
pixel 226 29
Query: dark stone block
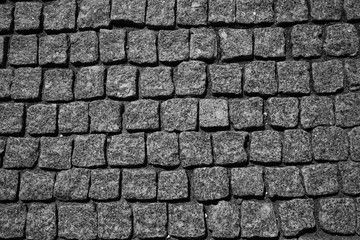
pixel 142 47
pixel 246 113
pixel 347 109
pixel 174 45
pixel 89 83
pixel 352 73
pixel 21 152
pixel 350 177
pixel 105 116
pixel 60 15
pixel 73 117
pixel 128 11
pixel 55 153
pixel 265 146
pixel 112 45
pixel 316 111
pixel 11 118
pixel 121 82
pixel 229 147
pixel 23 50
pixel 325 10
pixel 84 47
pixel 173 185
pixel 341 40
pixel 150 220
pixel 195 149
pixel 156 82
pixel 6 17
pixel 93 14
pixel 41 221
pixel 142 115
pixel 224 220
pixel 72 184
pixel 306 41
pixel 26 83
pixel 291 11
pixel 235 43
pixel 105 184
pixel 293 77
pixel 58 85
pixel 354 142
pixel 254 12
pixel 163 149
pixel 269 42
pixel 89 150
pixel 221 11
pixel 320 179
pixel 260 78
pixel 36 185
pixel 191 12
pixel 27 16
pixel 6 78
pixel 352 9
pixel 41 119
pixel 53 49
pixel 9 180
pixel 160 13
pixel 226 79
pixel 296 147
pixel 190 78
pixel 210 183
pixel 213 113
pixel 283 111
pixel 12 221
pixel 139 184
pixel 246 182
pixel 203 44
pixel 2 50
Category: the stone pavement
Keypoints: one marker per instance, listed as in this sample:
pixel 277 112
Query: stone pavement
pixel 180 119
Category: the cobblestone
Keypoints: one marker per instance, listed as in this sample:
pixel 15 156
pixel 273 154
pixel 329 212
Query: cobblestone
pixel 139 184
pixel 260 78
pixel 112 45
pixel 190 78
pixel 163 149
pixel 53 49
pixel 41 221
pixel 26 83
pixel 174 45
pixel 247 182
pixel 173 185
pixel 72 184
pixel 36 185
pixel 265 146
pixel 195 149
pixel 12 222
pixel 203 44
pixel 306 40
pixel 27 16
pixel 246 113
pixel 211 183
pixel 60 15
pixel 235 43
pixel 21 152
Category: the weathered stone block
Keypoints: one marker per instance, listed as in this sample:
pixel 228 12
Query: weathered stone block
pixel 291 11
pixel 41 221
pixel 27 16
pixel 325 10
pixel 260 78
pixel 173 185
pixel 306 40
pixel 254 12
pixel 341 40
pixel 190 78
pixel 58 85
pixel 224 220
pixel 142 115
pixel 347 109
pixel 121 82
pixel 142 47
pixel 84 47
pixel 160 13
pixel 128 11
pixel 21 152
pixel 210 183
pixel 72 184
pixel 6 78
pixel 195 149
pixel 73 117
pixel 352 9
pixel 12 221
pixel 229 147
pixel 89 150
pixel 283 112
pixel 296 146
pixel 156 82
pixel 89 83
pixel 150 220
pixel 6 17
pixel 36 186
pixel 316 111
pixel 213 113
pixel 139 184
pixel 105 184
pixel 41 119
pixel 350 177
pixel 354 141
pixel 203 44
pixel 55 153
pixel 174 45
pixel 293 77
pixel 247 181
pixel 11 118
pixel 265 146
pixel 105 116
pixel 60 15
pixel 112 45
pixel 246 113
pixel 53 49
pixel 93 14
pixel 221 11
pixel 23 50
pixel 9 180
pixel 26 83
pixel 191 12
pixel 269 42
pixel 235 43
pixel 226 79
pixel 352 73
pixel 163 149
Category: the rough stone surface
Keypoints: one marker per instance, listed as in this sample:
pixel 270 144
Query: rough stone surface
pixel 347 110
pixel 121 82
pixel 21 152
pixel 105 116
pixel 89 150
pixel 23 50
pixel 73 117
pixel 163 149
pixel 341 40
pixel 293 77
pixel 354 141
pixel 142 47
pixel 352 9
pixel 105 184
pixel 190 78
pixel 221 11
pixel 226 79
pixel 328 76
pixel 265 146
pixel 291 11
pixel 139 184
pixel 41 119
pixel 174 45
pixel 60 15
pixel 191 12
pixel 26 84
pixel 6 78
pixel 210 183
pixel 150 220
pixel 12 222
pixel 269 42
pixel 320 179
pixel 160 13
pixel 306 40
pixel 41 221
pixel 93 14
pixel 254 12
pixel 260 78
pixel 296 147
pixel 352 73
pixel 156 82
pixel 89 83
pixel 27 16
pixel 58 85
pixel 112 45
pixel 55 153
pixel 6 17
pixel 283 112
pixel 350 177
pixel 11 118
pixel 84 47
pixel 36 185
pixel 235 43
pixel 246 113
pixel 213 113
pixel 72 184
pixel 142 115
pixel 316 111
pixel 173 185
pixel 9 180
pixel 203 44
pixel 325 10
pixel 128 11
pixel 53 49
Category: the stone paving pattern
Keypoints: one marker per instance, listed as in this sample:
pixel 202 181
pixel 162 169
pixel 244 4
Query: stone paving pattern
pixel 180 119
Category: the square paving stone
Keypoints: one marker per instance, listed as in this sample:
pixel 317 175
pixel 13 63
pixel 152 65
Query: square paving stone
pixel 186 220
pixel 121 82
pixel 9 180
pixel 160 13
pixel 41 221
pixel 112 45
pixel 53 49
pixel 347 109
pixel 293 77
pixel 221 11
pixel 190 78
pixel 284 182
pixel 41 119
pixel 352 9
pixel 89 83
pixel 156 82
pixel 203 44
pixel 12 221
pixel 105 184
pixel 223 220
pixel 283 112
pixel 350 177
pixel 150 220
pixel 142 47
pixel 73 117
pixel 36 185
pixel 269 42
pixel 142 115
pixel 77 221
pixel 195 149
pixel 6 78
pixel 235 43
pixel 27 16
pixel 325 10
pixel 11 118
pixel 226 79
pixel 105 116
pixel 246 113
pixel 23 50
pixel 265 146
pixel 306 40
pixel 60 15
pixel 139 184
pixel 341 40
pixel 173 185
pixel 316 111
pixel 213 113
pixel 93 14
pixel 210 183
pixel 320 179
pixel 55 153
pixel 26 83
pixel 296 216
pixel 352 73
pixel 330 144
pixel 126 150
pixel 114 220
pixel 89 150
pixel 179 114
pixel 260 78
pixel 174 45
pixel 84 47
pixel 291 11
pixel 247 181
pixel 58 85
pixel 354 142
pixel 6 17
pixel 296 147
pixel 128 11
pixel 254 12
pixel 163 149
pixel 21 152
pixel 229 147
pixel 337 215
pixel 258 219
pixel 191 12
pixel 72 184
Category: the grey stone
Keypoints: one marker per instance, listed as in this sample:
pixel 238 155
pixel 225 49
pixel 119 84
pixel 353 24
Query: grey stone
pixel 93 14
pixel 320 179
pixel 150 220
pixel 296 146
pixel 354 141
pixel 2 48
pixel 325 10
pixel 89 83
pixel 160 13
pixel 26 83
pixel 156 82
pixel 195 149
pixel 190 78
pixel 258 219
pixel 221 11
pixel 55 153
pixel 186 220
pixel 316 111
pixel 283 112
pixel 347 109
pixel 72 184
pixel 226 79
pixel 21 152
pixel 105 184
pixel 337 215
pixel 6 17
pixel 247 181
pixel 284 182
pixel 11 118
pixel 213 113
pixel 191 12
pixel 173 45
pixel 126 150
pixel 41 221
pixel 350 177
pixel 84 47
pixel 23 50
pixel 41 119
pixel 6 78
pixel 291 11
pixel 12 221
pixel 203 44
pixel 293 77
pixel 330 144
pixel 77 221
pixel 139 184
pixel 296 216
pixel 121 82
pixel 341 40
pixel 142 115
pixel 235 43
pixel 269 42
pixel 265 146
pixel 9 180
pixel 53 49
pixel 105 116
pixel 128 11
pixel 173 185
pixel 27 16
pixel 306 40
pixel 60 15
pixel 73 117
pixel 224 220
pixel 141 47
pixel 89 150
pixel 352 73
pixel 254 12
pixel 36 185
pixel 58 85
pixel 210 183
pixel 260 78
pixel 112 45
pixel 163 149
pixel 246 113
pixel 179 114
pixel 352 9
